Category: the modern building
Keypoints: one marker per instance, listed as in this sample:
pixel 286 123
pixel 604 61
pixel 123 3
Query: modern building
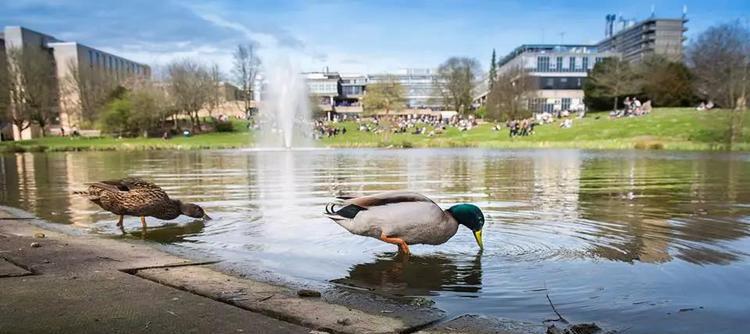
pixel 353 88
pixel 325 87
pixel 636 40
pixel 420 87
pixel 69 58
pixel 559 71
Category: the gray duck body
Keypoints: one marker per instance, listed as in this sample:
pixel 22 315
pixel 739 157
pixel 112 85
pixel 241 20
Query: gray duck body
pixel 409 216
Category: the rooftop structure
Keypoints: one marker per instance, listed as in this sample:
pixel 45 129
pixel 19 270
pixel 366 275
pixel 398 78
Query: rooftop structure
pixel 636 40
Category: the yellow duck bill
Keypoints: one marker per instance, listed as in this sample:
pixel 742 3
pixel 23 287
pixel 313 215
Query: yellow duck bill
pixel 478 236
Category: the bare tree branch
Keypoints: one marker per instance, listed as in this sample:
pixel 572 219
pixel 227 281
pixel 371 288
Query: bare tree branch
pixel 32 87
pixel 245 71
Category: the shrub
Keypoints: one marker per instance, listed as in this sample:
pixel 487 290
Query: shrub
pixel 648 144
pixel 13 148
pixel 224 126
pixel 407 144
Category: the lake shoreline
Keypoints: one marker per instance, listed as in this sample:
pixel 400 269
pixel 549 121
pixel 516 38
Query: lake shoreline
pixel 48 253
pixel 138 144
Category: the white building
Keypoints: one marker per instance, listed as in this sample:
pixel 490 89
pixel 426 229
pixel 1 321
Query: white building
pixel 419 84
pixel 559 71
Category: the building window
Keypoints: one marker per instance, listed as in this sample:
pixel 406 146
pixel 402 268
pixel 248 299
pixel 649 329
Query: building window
pixel 558 64
pixel 565 105
pixel 598 60
pixel 98 63
pixel 572 64
pixel 542 64
pixel 585 63
pixel 91 58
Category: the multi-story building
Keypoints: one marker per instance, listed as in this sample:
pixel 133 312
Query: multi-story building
pixel 636 40
pixel 420 87
pixel 69 58
pixel 325 87
pixel 558 71
pixel 353 87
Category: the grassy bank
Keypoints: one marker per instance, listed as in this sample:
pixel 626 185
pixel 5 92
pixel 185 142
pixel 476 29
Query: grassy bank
pixel 665 128
pixel 240 137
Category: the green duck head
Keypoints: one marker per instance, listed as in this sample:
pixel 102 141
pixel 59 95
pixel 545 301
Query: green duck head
pixel 471 216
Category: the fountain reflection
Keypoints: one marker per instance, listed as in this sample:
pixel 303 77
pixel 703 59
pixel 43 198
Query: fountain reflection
pixel 416 275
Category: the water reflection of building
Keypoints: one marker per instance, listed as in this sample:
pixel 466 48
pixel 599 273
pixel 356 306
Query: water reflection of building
pixel 653 210
pixel 556 183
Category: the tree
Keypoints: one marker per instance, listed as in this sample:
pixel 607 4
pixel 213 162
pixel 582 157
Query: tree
pixel 32 87
pixel 4 89
pixel 137 111
pixel 611 79
pixel 508 98
pixel 90 90
pixel 666 83
pixel 191 87
pixel 493 70
pixel 720 58
pixel 245 70
pixel 456 79
pixel 215 97
pixel 385 95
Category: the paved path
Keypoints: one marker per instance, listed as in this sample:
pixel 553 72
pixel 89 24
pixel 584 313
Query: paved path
pixel 74 289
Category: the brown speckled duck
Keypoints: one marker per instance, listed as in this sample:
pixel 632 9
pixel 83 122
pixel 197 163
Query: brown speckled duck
pixel 137 197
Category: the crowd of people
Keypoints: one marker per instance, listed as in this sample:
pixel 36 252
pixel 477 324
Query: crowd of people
pixel 705 106
pixel 522 127
pixel 432 125
pixel 632 107
pixel 322 129
pixel 417 124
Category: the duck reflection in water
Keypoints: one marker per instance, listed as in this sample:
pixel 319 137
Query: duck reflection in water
pixel 416 275
pixel 171 232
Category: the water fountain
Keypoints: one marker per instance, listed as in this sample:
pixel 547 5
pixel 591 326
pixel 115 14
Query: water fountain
pixel 284 117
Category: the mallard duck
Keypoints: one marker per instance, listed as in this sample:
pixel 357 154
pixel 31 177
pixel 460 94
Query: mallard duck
pixel 136 197
pixel 404 218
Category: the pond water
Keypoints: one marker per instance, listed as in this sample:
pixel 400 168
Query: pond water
pixel 644 241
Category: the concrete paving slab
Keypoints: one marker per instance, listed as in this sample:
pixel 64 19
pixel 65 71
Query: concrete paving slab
pixel 115 302
pixel 8 269
pixel 274 301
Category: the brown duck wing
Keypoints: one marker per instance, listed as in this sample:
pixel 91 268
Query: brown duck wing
pixel 387 198
pixel 132 196
pixel 130 183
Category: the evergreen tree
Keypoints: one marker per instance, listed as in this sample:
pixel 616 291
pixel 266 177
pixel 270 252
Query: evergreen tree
pixel 493 70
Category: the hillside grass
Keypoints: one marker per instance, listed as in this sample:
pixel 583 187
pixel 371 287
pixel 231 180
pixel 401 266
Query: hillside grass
pixel 664 128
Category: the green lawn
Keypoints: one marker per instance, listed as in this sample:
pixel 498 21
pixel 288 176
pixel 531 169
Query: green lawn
pixel 665 128
pixel 240 137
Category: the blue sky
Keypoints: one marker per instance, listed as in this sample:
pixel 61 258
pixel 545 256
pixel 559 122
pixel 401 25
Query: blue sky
pixel 348 36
